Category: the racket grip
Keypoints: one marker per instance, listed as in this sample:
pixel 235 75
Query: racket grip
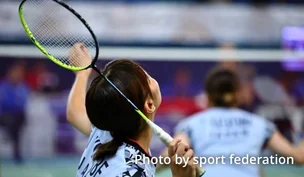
pixel 166 139
pixel 163 136
pixel 200 171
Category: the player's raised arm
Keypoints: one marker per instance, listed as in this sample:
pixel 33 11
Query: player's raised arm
pixel 76 111
pixel 282 146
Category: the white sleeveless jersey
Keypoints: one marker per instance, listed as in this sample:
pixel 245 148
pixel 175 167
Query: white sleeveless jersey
pixel 219 132
pixel 123 164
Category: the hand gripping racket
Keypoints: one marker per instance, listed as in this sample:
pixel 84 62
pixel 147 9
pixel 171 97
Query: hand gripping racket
pixel 46 24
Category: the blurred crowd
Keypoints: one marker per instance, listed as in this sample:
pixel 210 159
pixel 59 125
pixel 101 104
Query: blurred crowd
pixel 17 90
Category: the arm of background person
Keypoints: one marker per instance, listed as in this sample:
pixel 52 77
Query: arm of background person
pixel 281 145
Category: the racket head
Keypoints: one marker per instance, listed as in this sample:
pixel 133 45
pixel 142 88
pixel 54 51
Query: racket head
pixel 50 44
pixel 270 91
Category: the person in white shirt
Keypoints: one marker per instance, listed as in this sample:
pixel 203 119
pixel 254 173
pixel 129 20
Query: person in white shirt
pixel 223 130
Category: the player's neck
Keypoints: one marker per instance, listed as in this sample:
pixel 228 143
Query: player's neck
pixel 144 139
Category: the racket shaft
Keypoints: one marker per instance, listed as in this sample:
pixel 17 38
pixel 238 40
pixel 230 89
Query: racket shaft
pixel 164 136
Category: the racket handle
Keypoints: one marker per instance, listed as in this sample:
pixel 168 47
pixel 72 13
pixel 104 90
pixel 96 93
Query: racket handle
pixel 166 139
pixel 163 136
pixel 200 171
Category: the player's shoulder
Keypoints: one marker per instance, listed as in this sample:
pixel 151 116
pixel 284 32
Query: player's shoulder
pixel 203 115
pixel 131 170
pixel 247 113
pixel 102 135
pixel 125 163
pixel 197 116
pixel 137 162
pixel 258 119
pixel 188 121
pixel 200 116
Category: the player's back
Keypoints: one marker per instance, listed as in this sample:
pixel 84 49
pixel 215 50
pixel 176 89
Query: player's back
pixel 219 132
pixel 123 163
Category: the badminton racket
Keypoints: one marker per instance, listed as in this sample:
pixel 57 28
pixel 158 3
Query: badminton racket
pixel 270 91
pixel 45 23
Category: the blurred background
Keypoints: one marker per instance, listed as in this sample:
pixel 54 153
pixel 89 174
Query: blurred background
pixel 177 42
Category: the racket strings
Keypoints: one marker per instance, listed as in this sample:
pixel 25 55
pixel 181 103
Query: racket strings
pixel 49 25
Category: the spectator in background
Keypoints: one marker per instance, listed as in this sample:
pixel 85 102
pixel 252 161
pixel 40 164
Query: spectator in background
pixel 34 74
pixel 181 86
pixel 178 101
pixel 40 79
pixel 13 99
pixel 45 101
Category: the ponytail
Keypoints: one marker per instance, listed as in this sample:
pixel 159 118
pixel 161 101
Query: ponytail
pixel 108 149
pixel 224 100
pixel 229 99
pixel 222 86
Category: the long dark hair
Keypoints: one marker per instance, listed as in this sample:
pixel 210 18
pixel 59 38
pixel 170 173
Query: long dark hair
pixel 108 110
pixel 222 85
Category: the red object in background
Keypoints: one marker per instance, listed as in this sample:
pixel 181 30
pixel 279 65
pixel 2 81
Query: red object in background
pixel 185 106
pixel 33 76
pixel 32 80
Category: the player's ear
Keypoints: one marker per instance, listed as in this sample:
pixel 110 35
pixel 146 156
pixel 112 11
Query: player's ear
pixel 149 106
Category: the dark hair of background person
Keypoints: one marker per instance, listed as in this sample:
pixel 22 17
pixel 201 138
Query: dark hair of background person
pixel 222 85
